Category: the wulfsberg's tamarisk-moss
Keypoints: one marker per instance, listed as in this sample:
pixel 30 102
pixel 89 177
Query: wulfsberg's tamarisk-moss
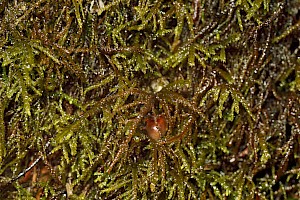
pixel 150 99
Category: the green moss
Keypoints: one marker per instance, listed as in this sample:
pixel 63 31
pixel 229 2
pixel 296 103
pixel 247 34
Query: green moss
pixel 79 81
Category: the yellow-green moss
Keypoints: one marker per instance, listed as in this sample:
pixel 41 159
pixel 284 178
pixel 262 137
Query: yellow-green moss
pixel 77 85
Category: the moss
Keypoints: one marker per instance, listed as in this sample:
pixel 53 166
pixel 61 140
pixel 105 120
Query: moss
pixel 79 79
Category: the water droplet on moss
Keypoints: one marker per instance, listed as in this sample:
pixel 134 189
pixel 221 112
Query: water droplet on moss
pixel 158 84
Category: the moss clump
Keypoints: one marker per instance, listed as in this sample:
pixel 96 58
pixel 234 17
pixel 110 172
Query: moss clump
pixel 78 79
